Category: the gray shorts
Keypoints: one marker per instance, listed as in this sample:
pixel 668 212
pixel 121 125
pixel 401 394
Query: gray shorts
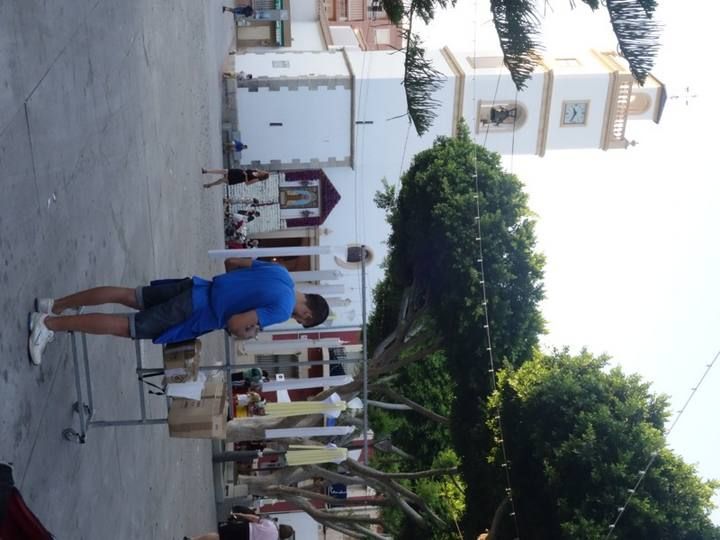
pixel 163 304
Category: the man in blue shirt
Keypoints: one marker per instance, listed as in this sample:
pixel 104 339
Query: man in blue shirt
pixel 250 296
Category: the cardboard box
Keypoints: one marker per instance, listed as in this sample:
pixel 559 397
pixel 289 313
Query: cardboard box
pixel 181 361
pixel 204 419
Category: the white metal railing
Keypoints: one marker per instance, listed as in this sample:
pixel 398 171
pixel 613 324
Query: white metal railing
pixel 622 105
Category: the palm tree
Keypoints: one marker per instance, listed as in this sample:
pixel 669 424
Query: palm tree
pixel 517 25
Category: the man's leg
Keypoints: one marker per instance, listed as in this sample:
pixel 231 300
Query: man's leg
pixel 43 328
pixel 91 323
pixel 96 297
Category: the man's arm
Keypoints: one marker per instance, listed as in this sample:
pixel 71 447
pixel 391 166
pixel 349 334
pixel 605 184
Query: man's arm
pixel 244 325
pixel 236 263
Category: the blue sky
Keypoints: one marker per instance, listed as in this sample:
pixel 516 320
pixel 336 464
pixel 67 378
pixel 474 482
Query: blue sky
pixel 630 236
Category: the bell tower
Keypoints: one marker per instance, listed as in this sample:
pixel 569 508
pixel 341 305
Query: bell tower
pixel 570 102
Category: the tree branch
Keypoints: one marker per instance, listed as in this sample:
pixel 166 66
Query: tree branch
pixel 392 488
pixel 367 533
pixel 319 515
pixel 389 406
pixel 393 394
pixel 336 477
pixel 497 518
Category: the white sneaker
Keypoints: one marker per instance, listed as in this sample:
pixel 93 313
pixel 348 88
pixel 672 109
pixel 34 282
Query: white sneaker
pixel 44 305
pixel 40 336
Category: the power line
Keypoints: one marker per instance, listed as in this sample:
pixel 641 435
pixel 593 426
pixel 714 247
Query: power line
pixel 486 310
pixel 643 472
pixel 402 159
pixel 492 104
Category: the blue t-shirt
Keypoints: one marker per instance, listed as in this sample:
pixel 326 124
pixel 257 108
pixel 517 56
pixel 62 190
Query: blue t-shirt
pixel 265 287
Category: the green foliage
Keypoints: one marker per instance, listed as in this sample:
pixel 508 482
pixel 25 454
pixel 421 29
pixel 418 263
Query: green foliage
pixel 649 6
pixel 429 384
pixel 421 81
pixel 577 435
pixel 425 9
pixel 384 318
pixel 637 33
pixel 395 10
pixel 517 26
pixel 445 495
pixel 433 247
pixel 593 4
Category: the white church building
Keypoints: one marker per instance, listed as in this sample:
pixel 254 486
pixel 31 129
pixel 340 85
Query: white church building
pixel 329 117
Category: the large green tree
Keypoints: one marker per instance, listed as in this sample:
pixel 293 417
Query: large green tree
pixel 434 252
pixel 578 435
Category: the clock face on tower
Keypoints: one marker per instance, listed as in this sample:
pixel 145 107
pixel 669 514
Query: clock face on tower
pixel 574 113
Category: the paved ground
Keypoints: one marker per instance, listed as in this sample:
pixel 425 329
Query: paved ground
pixel 108 110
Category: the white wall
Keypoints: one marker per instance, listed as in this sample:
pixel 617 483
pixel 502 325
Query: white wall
pixel 578 87
pixel 651 89
pixel 303 10
pixel 315 123
pixel 495 86
pixel 305 526
pixel 306 36
pixel 379 149
pixel 384 148
pixel 317 129
pixel 326 64
pixel 344 36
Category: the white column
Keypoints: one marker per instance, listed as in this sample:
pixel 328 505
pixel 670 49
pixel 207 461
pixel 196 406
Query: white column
pixel 316 275
pixel 276 251
pixel 310 382
pixel 293 232
pixel 287 345
pixel 319 289
pixel 289 433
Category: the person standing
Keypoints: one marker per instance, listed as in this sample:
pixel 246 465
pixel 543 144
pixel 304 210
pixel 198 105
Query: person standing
pixel 248 527
pixel 236 146
pixel 240 76
pixel 250 296
pixel 236 176
pixel 240 11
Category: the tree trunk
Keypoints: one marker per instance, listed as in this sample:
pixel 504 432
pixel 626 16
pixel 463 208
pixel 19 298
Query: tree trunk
pixel 497 519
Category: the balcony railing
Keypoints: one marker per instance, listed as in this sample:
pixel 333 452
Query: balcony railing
pixel 617 121
pixel 621 111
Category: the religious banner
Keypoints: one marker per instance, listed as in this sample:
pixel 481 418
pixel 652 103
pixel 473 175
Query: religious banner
pixel 306 197
pixel 299 197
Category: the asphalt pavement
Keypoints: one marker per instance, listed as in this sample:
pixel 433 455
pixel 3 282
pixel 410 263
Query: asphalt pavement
pixel 108 110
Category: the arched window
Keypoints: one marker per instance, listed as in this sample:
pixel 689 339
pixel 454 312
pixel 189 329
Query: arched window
pixel 500 116
pixel 639 103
